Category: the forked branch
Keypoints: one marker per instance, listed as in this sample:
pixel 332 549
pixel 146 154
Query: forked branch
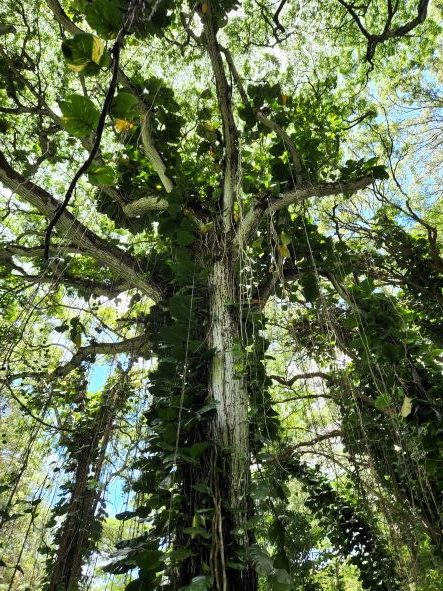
pixel 389 32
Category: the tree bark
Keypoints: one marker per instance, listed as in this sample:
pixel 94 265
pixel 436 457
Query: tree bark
pixel 229 476
pixel 76 537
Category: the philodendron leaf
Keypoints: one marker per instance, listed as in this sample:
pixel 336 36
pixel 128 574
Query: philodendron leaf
pixel 85 53
pixel 124 106
pixel 102 174
pixel 198 448
pixel 310 287
pixel 80 115
pixel 104 16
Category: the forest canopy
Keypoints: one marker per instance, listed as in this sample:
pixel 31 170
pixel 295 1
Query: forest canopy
pixel 221 294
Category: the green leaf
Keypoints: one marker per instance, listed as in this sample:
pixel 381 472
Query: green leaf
pixel 104 16
pixel 198 448
pixel 185 238
pixel 179 554
pixel 124 106
pixel 102 174
pixel 200 583
pixel 261 560
pixel 382 402
pixel 209 407
pixel 80 116
pixel 85 53
pixel 392 352
pixel 140 585
pixel 125 515
pixel 149 559
pixel 310 287
pixel 196 531
pixel 282 576
pixel 379 172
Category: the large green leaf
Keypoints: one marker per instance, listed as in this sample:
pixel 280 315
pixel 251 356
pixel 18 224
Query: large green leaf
pixel 309 287
pixel 80 115
pixel 104 16
pixel 149 560
pixel 124 106
pixel 85 53
pixel 261 560
pixel 102 174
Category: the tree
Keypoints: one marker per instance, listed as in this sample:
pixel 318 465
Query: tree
pixel 188 194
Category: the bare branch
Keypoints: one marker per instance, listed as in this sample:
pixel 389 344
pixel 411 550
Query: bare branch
pixel 301 376
pixel 388 32
pixel 137 345
pixel 332 434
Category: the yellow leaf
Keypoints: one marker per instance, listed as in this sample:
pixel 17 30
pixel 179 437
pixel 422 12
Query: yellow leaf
pixel 209 126
pixel 284 99
pixel 204 8
pixel 205 228
pixel 284 238
pixel 78 67
pixel 406 407
pixel 121 125
pixel 284 251
pixel 98 48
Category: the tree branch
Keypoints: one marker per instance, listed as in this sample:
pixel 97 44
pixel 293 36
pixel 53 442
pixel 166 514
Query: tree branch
pixel 144 205
pixel 62 18
pixel 134 345
pixel 388 33
pixel 112 257
pixel 318 439
pixel 302 376
pixel 258 209
pixel 232 166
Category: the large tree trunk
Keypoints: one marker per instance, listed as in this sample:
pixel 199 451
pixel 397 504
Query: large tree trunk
pixel 229 431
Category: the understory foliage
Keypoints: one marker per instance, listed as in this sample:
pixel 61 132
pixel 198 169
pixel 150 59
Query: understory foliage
pixel 221 293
